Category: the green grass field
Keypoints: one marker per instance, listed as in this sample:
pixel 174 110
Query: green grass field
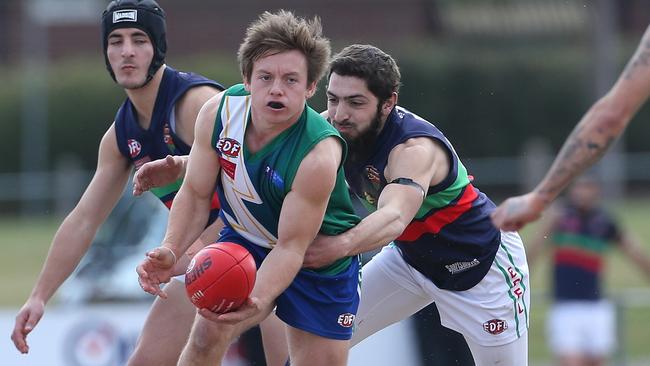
pixel 25 243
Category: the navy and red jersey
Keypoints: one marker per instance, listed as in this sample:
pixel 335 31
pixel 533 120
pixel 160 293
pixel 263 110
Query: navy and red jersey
pixel 451 240
pixel 581 239
pixel 159 140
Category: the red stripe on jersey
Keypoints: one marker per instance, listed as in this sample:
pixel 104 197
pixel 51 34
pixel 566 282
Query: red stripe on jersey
pixel 580 258
pixel 228 167
pixel 215 205
pixel 434 223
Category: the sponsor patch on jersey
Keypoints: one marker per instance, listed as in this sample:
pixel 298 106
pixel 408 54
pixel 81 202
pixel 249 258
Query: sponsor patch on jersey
pixel 229 147
pixel 125 16
pixel 373 174
pixel 495 326
pixel 134 147
pixel 461 266
pixel 167 135
pixel 228 167
pixel 346 320
pixel 274 177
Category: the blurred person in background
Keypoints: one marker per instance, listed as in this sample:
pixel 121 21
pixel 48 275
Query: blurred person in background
pixel 446 250
pixel 156 119
pixel 581 326
pixel 603 123
pixel 289 159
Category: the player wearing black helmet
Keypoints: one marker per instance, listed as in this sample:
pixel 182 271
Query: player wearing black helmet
pixel 155 121
pixel 145 15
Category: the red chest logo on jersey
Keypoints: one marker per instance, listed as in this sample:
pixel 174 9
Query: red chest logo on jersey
pixel 134 147
pixel 167 135
pixel 495 326
pixel 229 147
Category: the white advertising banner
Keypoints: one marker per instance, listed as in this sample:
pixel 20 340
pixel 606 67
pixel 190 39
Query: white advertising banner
pixel 85 335
pixel 104 335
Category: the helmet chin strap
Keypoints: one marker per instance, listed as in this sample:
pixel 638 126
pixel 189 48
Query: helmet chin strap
pixel 147 80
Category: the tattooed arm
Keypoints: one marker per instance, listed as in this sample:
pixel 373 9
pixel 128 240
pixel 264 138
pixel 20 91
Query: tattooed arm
pixel 599 127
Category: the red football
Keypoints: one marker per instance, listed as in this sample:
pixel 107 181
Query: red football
pixel 220 277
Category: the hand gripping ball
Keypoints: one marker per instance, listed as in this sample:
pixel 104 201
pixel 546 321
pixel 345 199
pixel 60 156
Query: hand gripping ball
pixel 220 277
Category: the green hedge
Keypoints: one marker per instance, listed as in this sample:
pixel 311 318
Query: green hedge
pixel 487 100
pixel 82 102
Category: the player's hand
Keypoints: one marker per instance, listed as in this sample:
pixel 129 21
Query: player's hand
pixel 28 316
pixel 253 310
pixel 324 250
pixel 157 173
pixel 516 212
pixel 157 268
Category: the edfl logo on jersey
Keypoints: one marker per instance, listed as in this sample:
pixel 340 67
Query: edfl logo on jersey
pixel 229 147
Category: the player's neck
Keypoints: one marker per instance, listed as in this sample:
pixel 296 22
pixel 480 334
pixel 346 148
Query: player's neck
pixel 144 98
pixel 260 132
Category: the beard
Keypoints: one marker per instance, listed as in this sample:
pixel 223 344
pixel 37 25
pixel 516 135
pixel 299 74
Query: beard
pixel 362 146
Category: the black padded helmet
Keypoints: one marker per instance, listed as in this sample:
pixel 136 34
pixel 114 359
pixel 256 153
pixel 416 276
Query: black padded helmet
pixel 146 15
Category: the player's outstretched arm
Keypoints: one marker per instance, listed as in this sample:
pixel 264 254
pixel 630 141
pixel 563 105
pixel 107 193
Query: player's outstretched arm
pixel 191 207
pixel 633 250
pixel 603 123
pixel 418 159
pixel 75 234
pixel 300 220
pixel 158 173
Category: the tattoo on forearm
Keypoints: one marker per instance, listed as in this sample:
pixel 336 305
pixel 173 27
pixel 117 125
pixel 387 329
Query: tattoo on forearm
pixel 576 155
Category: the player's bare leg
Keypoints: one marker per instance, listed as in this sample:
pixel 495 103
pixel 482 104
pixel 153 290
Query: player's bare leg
pixel 207 344
pixel 166 329
pixel 274 339
pixel 308 349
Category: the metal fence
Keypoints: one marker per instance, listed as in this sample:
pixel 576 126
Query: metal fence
pixel 57 191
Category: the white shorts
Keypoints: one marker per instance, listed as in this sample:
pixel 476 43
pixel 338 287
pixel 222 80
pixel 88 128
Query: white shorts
pixel 582 327
pixel 492 313
pixel 180 277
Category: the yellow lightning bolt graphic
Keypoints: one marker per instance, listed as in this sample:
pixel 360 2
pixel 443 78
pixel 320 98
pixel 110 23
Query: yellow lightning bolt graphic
pixel 240 188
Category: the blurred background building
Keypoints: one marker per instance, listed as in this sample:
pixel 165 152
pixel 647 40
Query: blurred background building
pixel 505 80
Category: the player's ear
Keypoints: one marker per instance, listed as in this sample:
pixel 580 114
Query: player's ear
pixel 247 83
pixel 388 105
pixel 311 90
